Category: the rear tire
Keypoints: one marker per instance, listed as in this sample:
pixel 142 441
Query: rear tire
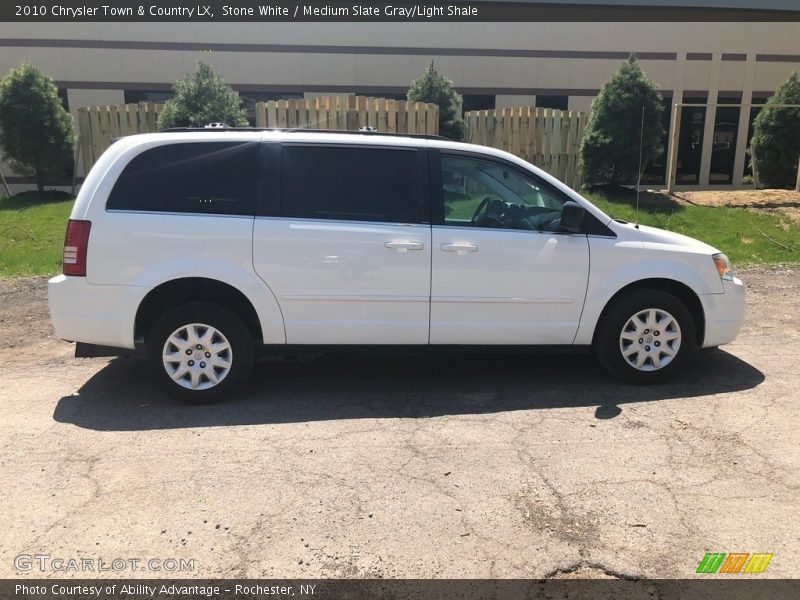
pixel 646 337
pixel 199 353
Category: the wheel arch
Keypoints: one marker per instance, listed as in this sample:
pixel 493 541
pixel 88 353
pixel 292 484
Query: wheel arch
pixel 176 292
pixel 680 290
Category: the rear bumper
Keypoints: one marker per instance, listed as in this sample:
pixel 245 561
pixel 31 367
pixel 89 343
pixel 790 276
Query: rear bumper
pixel 724 314
pixel 94 314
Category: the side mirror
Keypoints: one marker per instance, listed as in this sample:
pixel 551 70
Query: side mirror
pixel 572 217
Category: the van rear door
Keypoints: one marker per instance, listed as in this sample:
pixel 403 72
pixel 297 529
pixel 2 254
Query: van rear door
pixel 342 237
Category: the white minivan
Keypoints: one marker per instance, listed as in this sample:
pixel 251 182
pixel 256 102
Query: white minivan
pixel 206 249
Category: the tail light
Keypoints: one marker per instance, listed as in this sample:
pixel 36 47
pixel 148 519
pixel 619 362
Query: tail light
pixel 76 243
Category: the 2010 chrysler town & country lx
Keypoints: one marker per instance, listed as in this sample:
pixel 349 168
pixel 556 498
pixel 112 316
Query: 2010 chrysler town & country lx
pixel 204 248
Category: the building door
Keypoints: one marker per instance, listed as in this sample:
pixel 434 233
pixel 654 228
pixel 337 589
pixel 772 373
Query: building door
pixel 690 141
pixel 723 151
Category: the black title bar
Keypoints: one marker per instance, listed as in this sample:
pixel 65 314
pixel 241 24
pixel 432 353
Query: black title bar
pixel 368 11
pixel 732 588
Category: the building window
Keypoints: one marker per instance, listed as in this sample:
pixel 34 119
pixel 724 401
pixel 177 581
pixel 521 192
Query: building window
pixel 64 97
pixel 249 100
pixel 478 102
pixel 69 165
pixel 757 102
pixel 387 96
pixel 557 102
pixel 656 172
pixel 136 96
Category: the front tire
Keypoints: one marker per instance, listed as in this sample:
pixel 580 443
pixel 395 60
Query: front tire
pixel 646 337
pixel 199 353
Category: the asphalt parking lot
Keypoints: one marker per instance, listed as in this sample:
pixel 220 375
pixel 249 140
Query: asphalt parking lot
pixel 417 466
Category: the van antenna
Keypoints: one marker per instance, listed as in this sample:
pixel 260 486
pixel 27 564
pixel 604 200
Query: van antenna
pixel 639 179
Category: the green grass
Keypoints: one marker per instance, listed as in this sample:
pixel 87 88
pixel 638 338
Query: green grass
pixel 463 210
pixel 740 233
pixel 32 229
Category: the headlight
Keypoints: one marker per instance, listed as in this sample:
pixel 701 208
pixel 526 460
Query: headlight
pixel 723 265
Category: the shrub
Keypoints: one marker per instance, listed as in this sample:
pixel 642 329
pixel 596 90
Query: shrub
pixel 202 98
pixel 776 138
pixel 436 88
pixel 610 147
pixel 36 133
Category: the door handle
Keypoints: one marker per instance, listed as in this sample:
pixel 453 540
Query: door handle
pixel 459 247
pixel 403 245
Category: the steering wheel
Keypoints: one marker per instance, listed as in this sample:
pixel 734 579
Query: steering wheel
pixel 489 213
pixel 480 209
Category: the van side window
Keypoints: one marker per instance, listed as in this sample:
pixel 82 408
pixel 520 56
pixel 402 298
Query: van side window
pixel 350 183
pixel 195 177
pixel 484 193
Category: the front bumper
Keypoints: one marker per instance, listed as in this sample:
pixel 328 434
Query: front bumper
pixel 724 313
pixel 94 314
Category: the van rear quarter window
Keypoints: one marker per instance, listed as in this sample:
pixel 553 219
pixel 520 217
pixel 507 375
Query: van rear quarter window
pixel 350 183
pixel 195 177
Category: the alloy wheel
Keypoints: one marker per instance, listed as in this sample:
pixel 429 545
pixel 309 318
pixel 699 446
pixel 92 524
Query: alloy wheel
pixel 650 339
pixel 197 356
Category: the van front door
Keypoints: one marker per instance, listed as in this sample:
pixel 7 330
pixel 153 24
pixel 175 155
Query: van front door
pixel 503 271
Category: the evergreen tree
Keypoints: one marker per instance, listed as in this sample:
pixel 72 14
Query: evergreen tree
pixel 776 137
pixel 36 133
pixel 435 88
pixel 610 147
pixel 202 98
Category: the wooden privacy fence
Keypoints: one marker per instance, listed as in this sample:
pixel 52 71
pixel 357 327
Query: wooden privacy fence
pixel 99 125
pixel 548 138
pixel 350 113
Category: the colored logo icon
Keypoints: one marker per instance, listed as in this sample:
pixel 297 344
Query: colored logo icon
pixel 734 562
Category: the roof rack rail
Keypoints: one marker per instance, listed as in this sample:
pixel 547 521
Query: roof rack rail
pixel 362 131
